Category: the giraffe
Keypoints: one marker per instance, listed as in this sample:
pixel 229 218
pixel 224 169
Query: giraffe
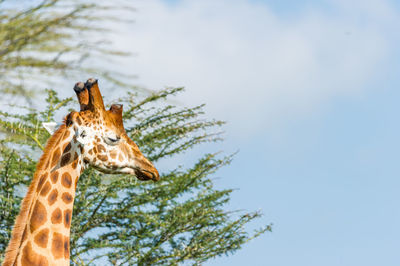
pixel 92 137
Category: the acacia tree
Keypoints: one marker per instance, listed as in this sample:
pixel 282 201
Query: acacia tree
pixel 41 41
pixel 117 220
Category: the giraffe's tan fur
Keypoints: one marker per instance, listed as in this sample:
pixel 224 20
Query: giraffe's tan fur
pixel 22 223
pixel 92 137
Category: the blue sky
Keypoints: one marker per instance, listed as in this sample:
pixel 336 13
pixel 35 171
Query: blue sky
pixel 310 91
pixel 331 189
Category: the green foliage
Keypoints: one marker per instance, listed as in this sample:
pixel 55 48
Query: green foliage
pixel 121 220
pixel 41 40
pixel 117 220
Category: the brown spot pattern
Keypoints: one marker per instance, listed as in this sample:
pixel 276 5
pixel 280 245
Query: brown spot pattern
pixel 57 245
pixel 101 148
pixel 56 157
pixel 66 247
pixel 102 157
pixel 121 157
pixel 66 180
pixel 67 198
pixel 42 237
pixel 67 147
pixel 41 181
pixel 52 197
pixel 54 177
pixel 46 188
pixel 29 257
pixel 56 216
pixel 65 159
pixel 39 216
pixel 67 218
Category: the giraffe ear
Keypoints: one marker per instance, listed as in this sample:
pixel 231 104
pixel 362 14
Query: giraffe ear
pixel 50 127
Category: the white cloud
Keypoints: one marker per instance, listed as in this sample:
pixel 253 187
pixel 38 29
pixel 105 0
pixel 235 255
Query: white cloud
pixel 255 67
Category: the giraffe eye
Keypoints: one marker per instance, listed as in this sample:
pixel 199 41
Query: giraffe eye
pixel 112 141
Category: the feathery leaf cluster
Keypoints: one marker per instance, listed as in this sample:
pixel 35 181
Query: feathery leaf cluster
pixel 55 38
pixel 120 220
pixel 117 220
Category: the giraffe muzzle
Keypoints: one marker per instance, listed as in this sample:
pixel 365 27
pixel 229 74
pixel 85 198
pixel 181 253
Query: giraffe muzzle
pixel 144 174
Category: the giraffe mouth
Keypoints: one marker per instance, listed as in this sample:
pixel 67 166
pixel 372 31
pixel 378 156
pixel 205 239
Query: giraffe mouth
pixel 144 175
pixel 141 174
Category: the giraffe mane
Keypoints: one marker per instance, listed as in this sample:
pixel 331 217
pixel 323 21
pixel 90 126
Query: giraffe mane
pixel 21 220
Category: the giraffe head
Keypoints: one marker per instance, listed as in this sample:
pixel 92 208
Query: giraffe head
pixel 101 135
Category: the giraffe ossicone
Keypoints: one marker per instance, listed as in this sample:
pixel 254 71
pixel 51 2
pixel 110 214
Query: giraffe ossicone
pixel 93 137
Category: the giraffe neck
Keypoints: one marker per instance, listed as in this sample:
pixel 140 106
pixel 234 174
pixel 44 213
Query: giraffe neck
pixel 42 229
